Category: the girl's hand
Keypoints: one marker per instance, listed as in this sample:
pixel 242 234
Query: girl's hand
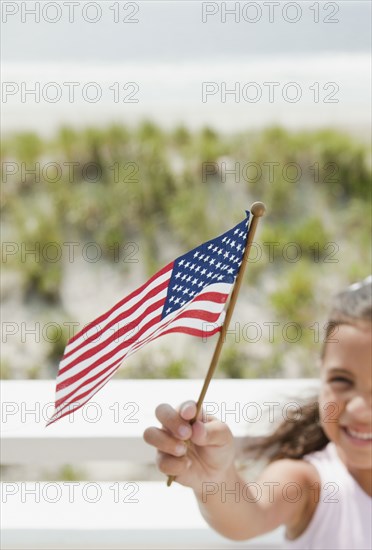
pixel 206 457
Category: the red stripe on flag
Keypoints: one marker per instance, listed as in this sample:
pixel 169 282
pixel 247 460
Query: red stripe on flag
pixel 119 318
pixel 88 381
pixel 57 413
pixel 193 331
pixel 105 357
pixel 135 293
pixel 217 297
pixel 114 336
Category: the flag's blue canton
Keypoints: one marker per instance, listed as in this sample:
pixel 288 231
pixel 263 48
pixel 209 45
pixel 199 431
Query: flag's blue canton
pixel 215 261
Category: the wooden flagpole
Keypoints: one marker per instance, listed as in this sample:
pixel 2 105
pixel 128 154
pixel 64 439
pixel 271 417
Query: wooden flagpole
pixel 257 210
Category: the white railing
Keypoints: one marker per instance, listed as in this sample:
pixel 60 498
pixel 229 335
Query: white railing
pixel 135 514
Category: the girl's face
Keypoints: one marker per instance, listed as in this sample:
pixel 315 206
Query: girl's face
pixel 346 393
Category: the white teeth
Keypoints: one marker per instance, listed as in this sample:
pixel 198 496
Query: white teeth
pixel 359 435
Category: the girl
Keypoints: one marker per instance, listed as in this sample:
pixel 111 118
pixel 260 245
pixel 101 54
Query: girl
pixel 318 482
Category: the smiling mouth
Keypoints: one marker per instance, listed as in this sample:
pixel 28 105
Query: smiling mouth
pixel 362 437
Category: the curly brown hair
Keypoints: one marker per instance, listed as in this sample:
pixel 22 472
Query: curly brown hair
pixel 296 437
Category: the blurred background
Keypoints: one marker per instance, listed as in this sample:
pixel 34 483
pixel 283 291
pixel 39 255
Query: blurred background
pixel 123 147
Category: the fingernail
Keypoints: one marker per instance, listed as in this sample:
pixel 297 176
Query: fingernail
pixel 188 463
pixel 187 408
pixel 183 431
pixel 180 449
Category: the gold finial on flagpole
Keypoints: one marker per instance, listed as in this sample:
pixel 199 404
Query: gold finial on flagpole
pixel 258 209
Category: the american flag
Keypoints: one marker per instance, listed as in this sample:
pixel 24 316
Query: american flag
pixel 188 295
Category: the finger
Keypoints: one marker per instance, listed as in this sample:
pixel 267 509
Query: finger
pixel 172 466
pixel 187 410
pixel 164 442
pixel 172 421
pixel 211 433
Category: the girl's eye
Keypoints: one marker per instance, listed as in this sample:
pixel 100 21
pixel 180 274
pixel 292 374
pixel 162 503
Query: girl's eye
pixel 340 380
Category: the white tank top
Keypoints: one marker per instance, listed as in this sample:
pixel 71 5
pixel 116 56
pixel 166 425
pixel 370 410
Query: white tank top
pixel 343 516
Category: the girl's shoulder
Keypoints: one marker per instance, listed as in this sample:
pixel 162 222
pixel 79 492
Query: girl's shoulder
pixel 295 485
pixel 298 471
